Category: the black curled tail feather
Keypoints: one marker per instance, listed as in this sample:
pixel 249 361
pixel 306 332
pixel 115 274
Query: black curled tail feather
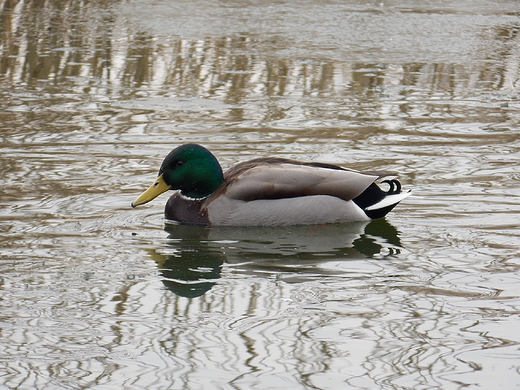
pixel 395 186
pixel 374 194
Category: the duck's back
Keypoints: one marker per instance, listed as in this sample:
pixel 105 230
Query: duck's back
pixel 277 178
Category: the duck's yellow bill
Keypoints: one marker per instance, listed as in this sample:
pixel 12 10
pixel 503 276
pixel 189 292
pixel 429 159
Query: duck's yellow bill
pixel 156 189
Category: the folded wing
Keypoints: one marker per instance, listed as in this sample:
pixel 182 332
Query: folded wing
pixel 290 180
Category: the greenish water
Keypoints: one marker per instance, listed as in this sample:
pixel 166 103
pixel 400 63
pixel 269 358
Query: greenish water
pixel 97 295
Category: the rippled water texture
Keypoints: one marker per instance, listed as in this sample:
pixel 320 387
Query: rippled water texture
pixel 96 295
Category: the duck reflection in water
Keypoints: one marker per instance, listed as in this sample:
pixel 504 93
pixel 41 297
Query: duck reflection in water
pixel 192 260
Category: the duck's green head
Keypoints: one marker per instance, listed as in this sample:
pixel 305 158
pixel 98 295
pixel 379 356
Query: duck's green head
pixel 190 168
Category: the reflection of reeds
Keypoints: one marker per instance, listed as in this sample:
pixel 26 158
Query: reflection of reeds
pixel 48 40
pixel 90 39
pixel 54 41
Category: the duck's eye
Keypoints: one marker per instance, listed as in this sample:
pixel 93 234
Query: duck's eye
pixel 179 163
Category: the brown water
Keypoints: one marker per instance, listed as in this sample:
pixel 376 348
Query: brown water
pixel 94 294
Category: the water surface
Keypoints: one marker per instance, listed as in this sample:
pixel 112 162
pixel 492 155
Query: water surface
pixel 97 295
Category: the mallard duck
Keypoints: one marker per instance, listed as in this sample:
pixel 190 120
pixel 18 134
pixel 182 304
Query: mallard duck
pixel 267 191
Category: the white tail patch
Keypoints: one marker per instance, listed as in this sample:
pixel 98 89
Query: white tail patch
pixel 389 200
